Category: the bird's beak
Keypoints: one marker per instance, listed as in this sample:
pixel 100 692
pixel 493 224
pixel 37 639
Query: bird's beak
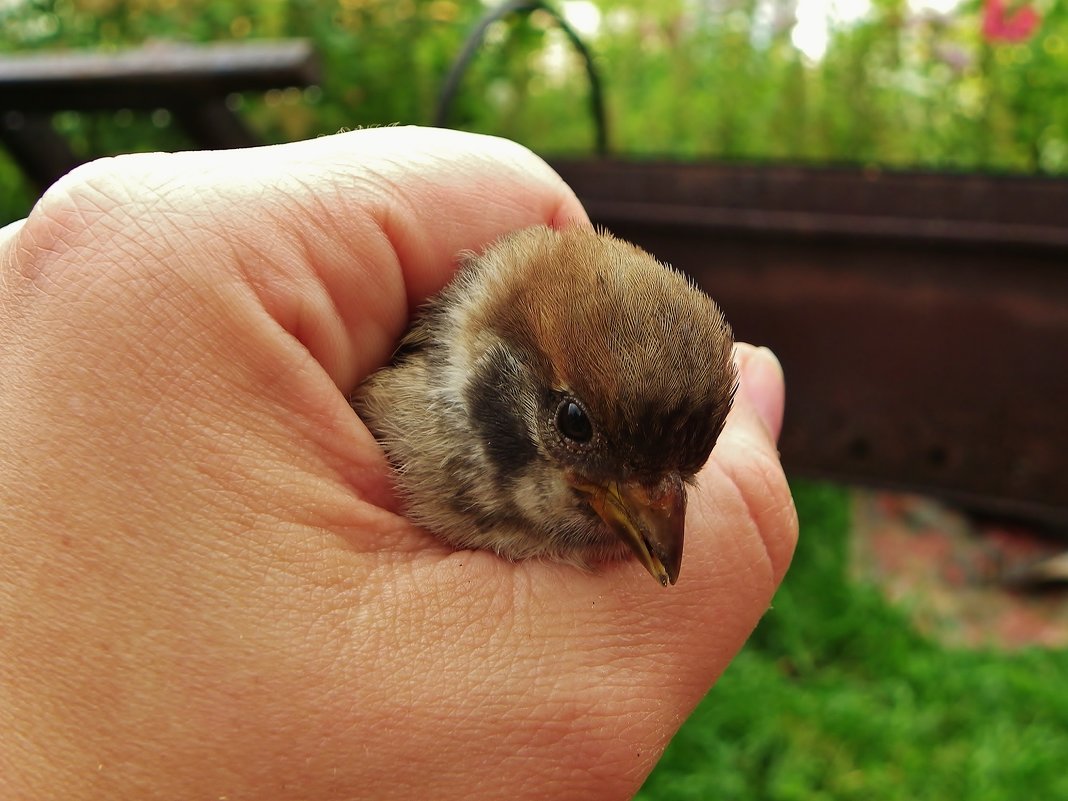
pixel 650 519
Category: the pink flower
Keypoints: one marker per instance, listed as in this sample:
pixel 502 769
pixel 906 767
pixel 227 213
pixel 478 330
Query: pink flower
pixel 1014 24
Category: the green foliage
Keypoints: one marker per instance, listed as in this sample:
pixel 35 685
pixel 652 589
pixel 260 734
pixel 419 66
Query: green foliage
pixel 835 696
pixel 382 63
pixel 717 79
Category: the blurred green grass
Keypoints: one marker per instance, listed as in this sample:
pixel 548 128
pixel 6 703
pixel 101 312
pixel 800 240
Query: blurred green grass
pixel 836 696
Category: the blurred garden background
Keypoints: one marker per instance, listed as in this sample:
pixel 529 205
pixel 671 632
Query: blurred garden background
pixel 918 83
pixel 839 695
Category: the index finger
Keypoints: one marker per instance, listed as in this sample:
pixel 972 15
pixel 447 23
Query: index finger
pixel 339 237
pixel 389 230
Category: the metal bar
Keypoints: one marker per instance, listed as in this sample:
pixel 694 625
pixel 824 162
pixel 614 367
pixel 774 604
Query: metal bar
pixel 471 46
pixel 922 320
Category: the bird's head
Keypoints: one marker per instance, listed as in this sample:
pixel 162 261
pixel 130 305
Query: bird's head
pixel 603 373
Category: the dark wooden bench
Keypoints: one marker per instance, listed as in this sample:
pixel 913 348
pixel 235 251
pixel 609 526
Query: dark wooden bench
pixel 191 81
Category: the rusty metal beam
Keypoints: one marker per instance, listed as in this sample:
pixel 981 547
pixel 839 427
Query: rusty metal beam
pixel 922 320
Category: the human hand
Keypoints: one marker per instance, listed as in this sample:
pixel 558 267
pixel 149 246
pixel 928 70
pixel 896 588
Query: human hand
pixel 206 589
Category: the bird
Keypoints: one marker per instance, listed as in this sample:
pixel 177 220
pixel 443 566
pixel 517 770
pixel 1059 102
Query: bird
pixel 555 400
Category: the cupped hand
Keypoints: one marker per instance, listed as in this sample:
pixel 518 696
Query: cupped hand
pixel 207 589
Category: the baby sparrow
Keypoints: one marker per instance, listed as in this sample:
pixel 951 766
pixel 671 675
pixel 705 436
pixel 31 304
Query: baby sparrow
pixel 554 400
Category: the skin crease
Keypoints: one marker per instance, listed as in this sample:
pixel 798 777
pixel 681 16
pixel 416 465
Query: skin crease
pixel 205 591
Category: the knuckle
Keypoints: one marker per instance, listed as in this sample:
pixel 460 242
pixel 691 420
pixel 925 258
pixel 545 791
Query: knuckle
pixel 88 215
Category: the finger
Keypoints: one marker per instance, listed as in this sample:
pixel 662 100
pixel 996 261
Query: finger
pixel 406 222
pixel 747 468
pixel 747 455
pixel 764 385
pixel 338 237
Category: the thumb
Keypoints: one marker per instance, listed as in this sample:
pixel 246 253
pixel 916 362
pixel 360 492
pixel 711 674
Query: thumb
pixel 762 385
pixel 749 451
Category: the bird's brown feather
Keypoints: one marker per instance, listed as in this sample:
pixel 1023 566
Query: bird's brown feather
pixel 465 411
pixel 634 339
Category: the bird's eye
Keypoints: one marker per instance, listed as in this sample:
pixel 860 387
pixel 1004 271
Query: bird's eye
pixel 573 422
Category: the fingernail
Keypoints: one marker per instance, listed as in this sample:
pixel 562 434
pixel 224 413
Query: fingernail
pixel 763 383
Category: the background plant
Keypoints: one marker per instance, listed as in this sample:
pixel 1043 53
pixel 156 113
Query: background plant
pixel 897 84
